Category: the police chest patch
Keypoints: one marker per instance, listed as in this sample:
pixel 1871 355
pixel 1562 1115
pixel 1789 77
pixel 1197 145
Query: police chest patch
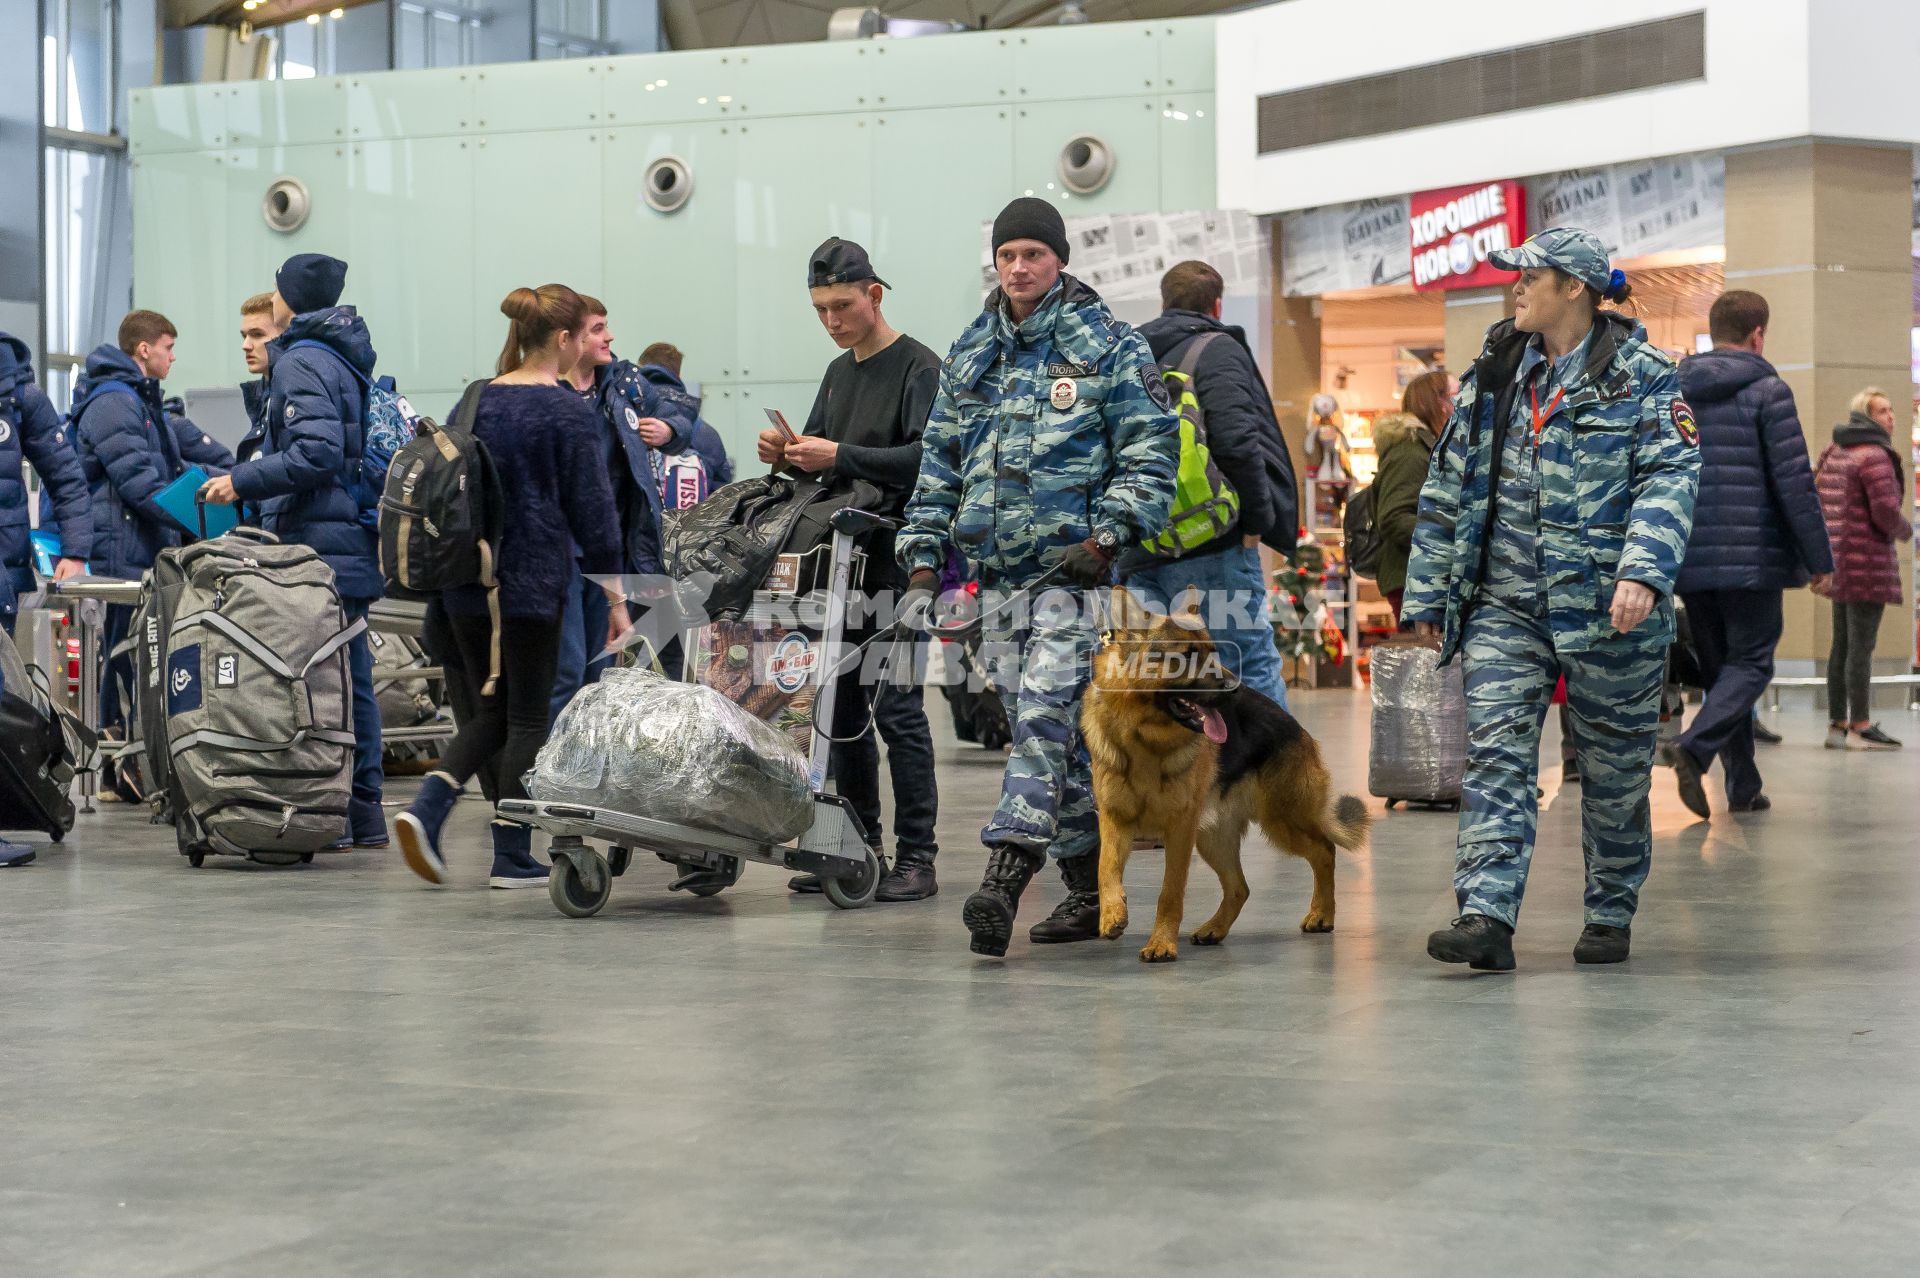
pixel 1683 422
pixel 1157 389
pixel 633 418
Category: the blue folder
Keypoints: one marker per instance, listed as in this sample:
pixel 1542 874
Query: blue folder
pixel 177 499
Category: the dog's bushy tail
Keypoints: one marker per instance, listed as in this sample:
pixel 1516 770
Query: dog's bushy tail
pixel 1347 822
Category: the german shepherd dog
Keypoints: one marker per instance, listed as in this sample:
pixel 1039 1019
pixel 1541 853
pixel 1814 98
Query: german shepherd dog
pixel 1181 750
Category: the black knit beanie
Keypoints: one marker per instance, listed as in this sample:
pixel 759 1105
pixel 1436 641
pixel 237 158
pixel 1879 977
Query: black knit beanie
pixel 310 282
pixel 1031 218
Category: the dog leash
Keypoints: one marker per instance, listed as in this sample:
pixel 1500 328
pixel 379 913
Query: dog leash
pixel 899 631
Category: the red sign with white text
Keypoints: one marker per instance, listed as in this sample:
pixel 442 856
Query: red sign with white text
pixel 1454 230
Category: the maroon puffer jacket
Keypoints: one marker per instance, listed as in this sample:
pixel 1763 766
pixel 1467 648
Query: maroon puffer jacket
pixel 1860 494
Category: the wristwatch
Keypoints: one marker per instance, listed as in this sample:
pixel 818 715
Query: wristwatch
pixel 1107 540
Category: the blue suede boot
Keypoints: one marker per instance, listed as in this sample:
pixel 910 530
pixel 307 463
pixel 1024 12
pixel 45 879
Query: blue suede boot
pixel 368 821
pixel 419 827
pixel 513 863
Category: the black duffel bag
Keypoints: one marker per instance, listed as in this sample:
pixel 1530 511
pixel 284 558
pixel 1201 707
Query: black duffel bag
pixel 737 533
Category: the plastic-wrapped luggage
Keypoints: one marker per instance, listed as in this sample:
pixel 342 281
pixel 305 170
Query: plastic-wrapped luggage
pixel 1419 752
pixel 675 752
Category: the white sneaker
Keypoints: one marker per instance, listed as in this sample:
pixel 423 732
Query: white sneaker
pixel 1836 738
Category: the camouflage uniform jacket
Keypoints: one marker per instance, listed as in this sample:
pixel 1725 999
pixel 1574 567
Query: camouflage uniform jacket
pixel 1619 465
pixel 1042 434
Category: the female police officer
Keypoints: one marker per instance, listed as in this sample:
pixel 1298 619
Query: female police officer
pixel 1553 520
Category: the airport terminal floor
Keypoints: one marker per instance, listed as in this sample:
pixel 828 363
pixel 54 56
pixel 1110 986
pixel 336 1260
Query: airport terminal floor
pixel 333 1069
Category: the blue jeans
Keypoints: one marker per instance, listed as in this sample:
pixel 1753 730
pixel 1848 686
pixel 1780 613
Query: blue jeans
pixel 1233 599
pixel 368 774
pixel 583 635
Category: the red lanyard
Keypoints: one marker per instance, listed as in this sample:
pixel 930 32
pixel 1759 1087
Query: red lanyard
pixel 1540 419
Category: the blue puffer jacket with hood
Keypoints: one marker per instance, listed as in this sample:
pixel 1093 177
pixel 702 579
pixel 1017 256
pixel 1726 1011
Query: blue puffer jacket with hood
pixel 30 431
pixel 1757 522
pixel 301 464
pixel 129 453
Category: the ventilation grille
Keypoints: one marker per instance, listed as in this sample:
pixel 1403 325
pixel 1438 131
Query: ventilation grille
pixel 1595 65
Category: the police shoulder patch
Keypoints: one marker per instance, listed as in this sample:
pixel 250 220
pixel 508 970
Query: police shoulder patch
pixel 1157 388
pixel 1683 421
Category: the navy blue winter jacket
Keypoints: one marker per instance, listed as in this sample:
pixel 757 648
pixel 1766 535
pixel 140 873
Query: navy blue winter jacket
pixel 30 431
pixel 1756 522
pixel 301 464
pixel 129 453
pixel 624 396
pixel 680 409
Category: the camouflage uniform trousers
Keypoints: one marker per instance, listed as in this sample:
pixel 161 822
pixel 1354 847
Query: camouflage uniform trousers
pixel 1613 695
pixel 1040 664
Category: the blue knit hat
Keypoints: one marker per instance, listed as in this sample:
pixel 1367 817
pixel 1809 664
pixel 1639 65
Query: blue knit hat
pixel 310 282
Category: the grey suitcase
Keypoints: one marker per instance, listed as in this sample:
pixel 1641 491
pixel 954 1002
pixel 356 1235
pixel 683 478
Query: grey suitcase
pixel 258 701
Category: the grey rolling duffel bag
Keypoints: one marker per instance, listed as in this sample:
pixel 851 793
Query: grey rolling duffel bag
pixel 257 699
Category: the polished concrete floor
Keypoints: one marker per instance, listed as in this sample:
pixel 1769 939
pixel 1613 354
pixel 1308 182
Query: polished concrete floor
pixel 335 1070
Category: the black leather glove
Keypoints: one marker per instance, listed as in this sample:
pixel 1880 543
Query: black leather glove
pixel 915 611
pixel 1088 564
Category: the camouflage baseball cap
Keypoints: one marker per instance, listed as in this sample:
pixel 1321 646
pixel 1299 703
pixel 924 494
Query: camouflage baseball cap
pixel 1578 253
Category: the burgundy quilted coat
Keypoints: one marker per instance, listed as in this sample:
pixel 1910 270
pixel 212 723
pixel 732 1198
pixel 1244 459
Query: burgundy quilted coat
pixel 1860 480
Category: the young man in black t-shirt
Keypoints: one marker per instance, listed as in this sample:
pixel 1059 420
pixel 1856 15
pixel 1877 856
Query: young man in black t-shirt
pixel 866 424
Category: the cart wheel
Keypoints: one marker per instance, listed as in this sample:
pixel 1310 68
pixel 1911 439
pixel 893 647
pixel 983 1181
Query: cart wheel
pixel 569 892
pixel 618 859
pixel 196 859
pixel 856 890
pixel 279 858
pixel 306 858
pixel 710 888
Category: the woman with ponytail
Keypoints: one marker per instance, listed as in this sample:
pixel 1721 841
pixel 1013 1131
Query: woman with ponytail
pixel 1551 527
pixel 547 446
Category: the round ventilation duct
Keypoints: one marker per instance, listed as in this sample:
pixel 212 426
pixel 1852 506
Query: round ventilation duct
pixel 286 205
pixel 1086 164
pixel 668 184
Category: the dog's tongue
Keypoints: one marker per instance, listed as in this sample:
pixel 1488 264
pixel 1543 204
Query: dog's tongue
pixel 1214 725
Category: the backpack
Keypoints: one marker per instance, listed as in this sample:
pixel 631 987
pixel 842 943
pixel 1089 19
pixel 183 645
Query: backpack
pixel 441 514
pixel 387 425
pixel 1205 506
pixel 1361 538
pixel 256 698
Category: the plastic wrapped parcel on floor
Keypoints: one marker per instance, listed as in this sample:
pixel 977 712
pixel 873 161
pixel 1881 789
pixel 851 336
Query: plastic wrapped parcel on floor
pixel 678 752
pixel 1419 724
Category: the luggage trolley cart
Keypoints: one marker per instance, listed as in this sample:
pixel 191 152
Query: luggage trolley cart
pixel 796 660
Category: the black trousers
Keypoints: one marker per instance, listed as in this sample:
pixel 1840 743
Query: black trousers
pixel 1856 628
pixel 1734 635
pixel 499 734
pixel 900 716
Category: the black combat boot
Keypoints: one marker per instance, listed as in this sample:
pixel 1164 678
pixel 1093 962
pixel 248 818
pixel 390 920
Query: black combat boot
pixel 910 880
pixel 1483 944
pixel 1600 943
pixel 1077 918
pixel 989 912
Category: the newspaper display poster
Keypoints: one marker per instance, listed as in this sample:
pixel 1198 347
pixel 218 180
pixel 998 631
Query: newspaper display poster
pixel 1122 256
pixel 1345 246
pixel 1638 209
pixel 1655 206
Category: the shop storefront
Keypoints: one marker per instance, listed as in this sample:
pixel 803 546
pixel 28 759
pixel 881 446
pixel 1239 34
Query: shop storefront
pixel 1403 286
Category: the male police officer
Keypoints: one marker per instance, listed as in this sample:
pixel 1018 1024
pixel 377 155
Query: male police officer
pixel 1052 445
pixel 1555 514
